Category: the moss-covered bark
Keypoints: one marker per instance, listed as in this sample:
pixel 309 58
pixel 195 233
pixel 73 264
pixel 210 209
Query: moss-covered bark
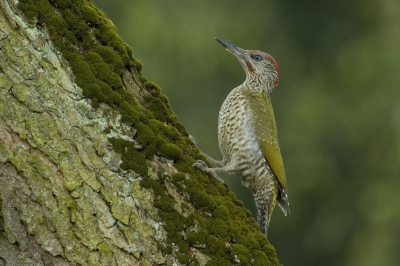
pixel 95 169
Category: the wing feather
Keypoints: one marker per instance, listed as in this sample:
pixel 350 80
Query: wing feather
pixel 267 137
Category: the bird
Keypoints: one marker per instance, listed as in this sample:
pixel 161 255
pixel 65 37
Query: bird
pixel 247 135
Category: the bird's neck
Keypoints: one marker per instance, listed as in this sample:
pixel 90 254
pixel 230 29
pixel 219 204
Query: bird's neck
pixel 259 85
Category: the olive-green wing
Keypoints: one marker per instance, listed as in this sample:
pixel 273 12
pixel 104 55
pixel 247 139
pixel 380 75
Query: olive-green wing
pixel 266 132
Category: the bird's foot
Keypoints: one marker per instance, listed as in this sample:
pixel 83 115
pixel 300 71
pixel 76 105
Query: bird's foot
pixel 203 167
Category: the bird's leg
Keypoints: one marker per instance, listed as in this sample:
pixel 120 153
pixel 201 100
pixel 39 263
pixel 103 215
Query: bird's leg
pixel 214 162
pixel 203 167
pixel 209 158
pixel 228 168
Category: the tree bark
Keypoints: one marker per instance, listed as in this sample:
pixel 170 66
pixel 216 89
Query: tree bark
pixel 94 167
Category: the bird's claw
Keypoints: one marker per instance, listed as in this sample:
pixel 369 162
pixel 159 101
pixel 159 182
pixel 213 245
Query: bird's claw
pixel 203 167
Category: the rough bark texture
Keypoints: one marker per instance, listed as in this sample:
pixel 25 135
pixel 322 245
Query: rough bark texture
pixel 90 175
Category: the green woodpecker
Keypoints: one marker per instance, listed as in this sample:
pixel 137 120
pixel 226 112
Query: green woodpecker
pixel 247 134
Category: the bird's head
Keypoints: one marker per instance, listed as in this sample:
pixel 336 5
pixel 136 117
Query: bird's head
pixel 261 68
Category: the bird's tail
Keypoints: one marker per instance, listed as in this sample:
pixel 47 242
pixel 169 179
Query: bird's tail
pixel 283 202
pixel 262 219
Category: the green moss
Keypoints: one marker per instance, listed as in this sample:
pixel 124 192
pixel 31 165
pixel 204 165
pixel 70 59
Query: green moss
pixel 139 165
pixel 171 151
pixel 215 246
pixel 232 196
pixel 64 3
pixel 178 177
pixel 128 97
pixel 173 225
pixel 184 259
pixel 89 14
pixel 144 133
pixel 158 108
pixel 219 262
pixel 199 198
pixel 142 79
pixel 170 134
pixel 111 58
pixel 129 114
pixel 181 128
pixel 112 79
pixel 165 100
pixel 154 185
pixel 55 23
pixel 221 211
pixel 259 257
pixel 197 238
pixel 185 165
pixel 242 253
pixel 174 222
pixel 30 9
pixel 219 227
pixel 131 158
pixel 153 88
pixel 112 97
pixel 153 146
pixel 166 249
pixel 75 24
pixel 158 126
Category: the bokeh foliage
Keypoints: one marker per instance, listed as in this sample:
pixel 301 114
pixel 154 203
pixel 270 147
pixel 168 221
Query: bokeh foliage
pixel 337 107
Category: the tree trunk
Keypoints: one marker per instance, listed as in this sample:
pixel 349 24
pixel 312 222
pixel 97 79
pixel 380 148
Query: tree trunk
pixel 95 169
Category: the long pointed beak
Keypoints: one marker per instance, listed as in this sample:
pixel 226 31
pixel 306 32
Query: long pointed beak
pixel 230 47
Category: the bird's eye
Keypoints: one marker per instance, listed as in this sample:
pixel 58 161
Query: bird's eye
pixel 257 57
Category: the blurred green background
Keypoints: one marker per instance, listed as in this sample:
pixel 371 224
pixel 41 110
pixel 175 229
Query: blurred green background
pixel 337 108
